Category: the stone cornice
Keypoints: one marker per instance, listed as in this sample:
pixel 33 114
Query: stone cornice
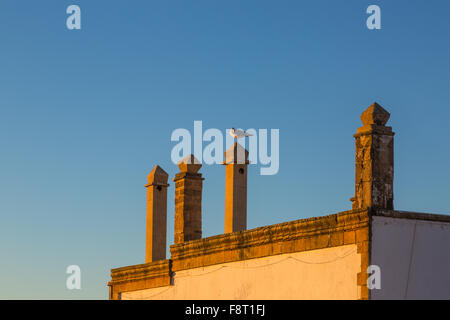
pixel 138 272
pixel 288 231
pixel 412 215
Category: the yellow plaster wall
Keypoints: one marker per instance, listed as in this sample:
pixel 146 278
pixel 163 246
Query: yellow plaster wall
pixel 329 273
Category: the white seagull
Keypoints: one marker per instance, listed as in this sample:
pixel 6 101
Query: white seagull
pixel 238 134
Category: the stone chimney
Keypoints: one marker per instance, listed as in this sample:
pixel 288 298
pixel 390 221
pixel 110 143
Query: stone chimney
pixel 236 164
pixel 188 200
pixel 374 174
pixel 155 242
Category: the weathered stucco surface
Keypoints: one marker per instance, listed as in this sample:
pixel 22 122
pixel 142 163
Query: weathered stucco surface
pixel 318 274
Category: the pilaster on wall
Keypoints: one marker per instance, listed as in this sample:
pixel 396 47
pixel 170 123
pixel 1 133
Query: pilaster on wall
pixel 363 247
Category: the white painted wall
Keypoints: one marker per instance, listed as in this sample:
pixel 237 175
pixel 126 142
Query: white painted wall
pixel 414 257
pixel 317 274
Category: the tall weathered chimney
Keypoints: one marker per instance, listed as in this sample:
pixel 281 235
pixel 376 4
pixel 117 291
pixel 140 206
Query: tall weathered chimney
pixel 236 163
pixel 188 200
pixel 374 174
pixel 155 244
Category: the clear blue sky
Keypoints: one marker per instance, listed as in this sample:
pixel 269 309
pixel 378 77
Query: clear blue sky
pixel 85 115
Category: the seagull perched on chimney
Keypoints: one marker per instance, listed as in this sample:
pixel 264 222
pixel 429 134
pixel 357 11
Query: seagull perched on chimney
pixel 238 134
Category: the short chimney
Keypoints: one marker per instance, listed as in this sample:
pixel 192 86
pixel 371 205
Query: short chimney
pixel 374 162
pixel 236 163
pixel 188 200
pixel 155 244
